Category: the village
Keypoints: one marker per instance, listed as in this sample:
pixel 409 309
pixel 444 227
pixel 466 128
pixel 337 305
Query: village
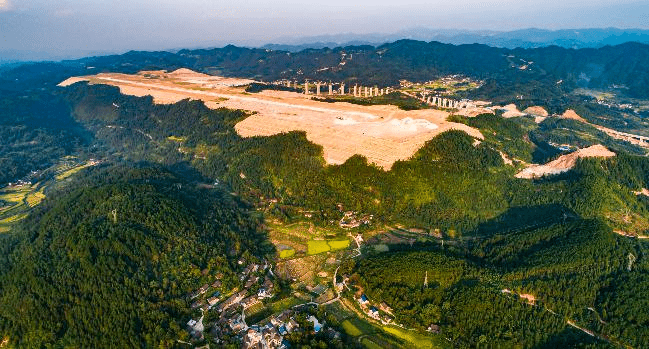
pixel 223 318
pixel 226 316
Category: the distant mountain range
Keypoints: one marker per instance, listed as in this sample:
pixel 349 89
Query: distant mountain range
pixel 524 38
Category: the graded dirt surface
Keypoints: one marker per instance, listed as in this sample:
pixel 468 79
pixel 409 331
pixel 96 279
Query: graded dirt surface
pixel 536 111
pixel 643 191
pixel 474 111
pixel 511 111
pixel 383 134
pixel 570 114
pixel 641 141
pixel 564 162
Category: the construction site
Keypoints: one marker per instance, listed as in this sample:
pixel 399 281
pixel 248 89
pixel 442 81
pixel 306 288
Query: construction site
pixel 382 133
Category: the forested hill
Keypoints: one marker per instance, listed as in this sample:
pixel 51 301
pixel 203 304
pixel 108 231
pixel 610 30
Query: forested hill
pixel 626 64
pixel 109 261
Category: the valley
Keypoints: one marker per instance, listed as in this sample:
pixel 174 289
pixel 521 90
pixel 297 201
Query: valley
pixel 187 208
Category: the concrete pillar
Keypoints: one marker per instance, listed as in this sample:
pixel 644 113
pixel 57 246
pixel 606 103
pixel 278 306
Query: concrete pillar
pixel 355 90
pixel 317 89
pixel 428 100
pixel 376 91
pixel 382 92
pixel 366 91
pixel 331 89
pixel 306 87
pixel 342 89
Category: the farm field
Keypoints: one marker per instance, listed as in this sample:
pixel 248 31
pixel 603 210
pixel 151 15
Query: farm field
pixel 372 336
pixel 304 238
pixel 19 200
pixel 321 246
pixel 412 338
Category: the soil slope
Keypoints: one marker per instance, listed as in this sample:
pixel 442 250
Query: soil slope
pixel 564 162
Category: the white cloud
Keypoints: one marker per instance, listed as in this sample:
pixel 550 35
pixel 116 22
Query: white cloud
pixel 5 5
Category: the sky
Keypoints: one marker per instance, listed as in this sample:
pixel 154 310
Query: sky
pixel 80 27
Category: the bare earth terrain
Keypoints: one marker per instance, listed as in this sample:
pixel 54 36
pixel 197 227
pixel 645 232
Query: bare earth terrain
pixel 564 162
pixel 383 134
pixel 631 138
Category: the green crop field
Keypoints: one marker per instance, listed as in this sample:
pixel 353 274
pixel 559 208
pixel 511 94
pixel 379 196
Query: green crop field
pixel 338 244
pixel 15 196
pixel 350 329
pixel 35 198
pixel 320 246
pixel 415 339
pixel 287 253
pixel 70 172
pixel 367 343
pixel 285 303
pixel 13 219
pixel 317 246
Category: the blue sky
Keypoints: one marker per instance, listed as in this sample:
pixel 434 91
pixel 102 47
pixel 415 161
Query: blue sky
pixel 120 25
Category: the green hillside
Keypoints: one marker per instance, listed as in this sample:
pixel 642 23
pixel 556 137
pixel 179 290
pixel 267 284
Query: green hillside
pixel 110 262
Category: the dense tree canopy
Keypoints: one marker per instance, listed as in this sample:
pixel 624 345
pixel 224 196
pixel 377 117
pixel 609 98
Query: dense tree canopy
pixel 109 262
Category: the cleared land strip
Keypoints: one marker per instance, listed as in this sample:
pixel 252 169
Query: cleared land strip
pixel 383 134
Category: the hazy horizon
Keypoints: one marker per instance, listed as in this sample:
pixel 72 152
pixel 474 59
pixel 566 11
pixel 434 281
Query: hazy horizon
pixel 68 28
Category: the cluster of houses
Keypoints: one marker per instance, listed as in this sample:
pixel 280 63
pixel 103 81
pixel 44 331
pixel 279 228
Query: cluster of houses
pixel 562 147
pixel 212 299
pixel 385 316
pixel 19 183
pixel 351 219
pixel 209 298
pixel 271 335
pixel 229 313
pixel 615 105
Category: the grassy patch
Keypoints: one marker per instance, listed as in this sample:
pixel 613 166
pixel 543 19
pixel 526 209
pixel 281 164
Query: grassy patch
pixel 381 248
pixel 257 313
pixel 177 139
pixel 415 339
pixel 350 329
pixel 338 311
pixel 285 303
pixel 367 343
